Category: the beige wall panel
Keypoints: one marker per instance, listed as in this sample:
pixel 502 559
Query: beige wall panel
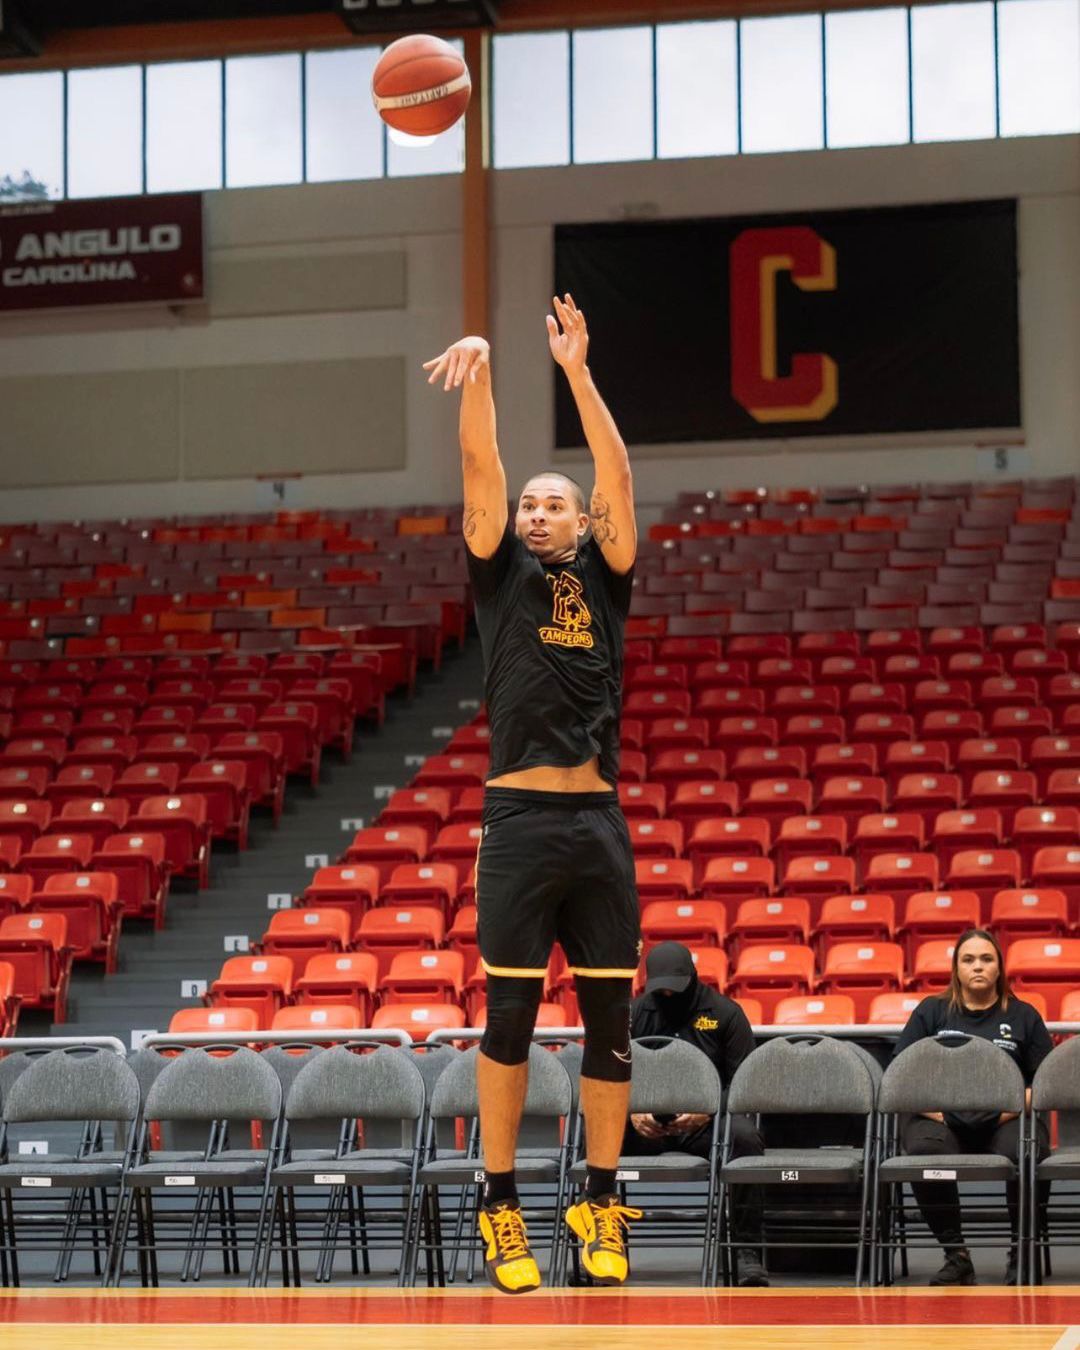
pixel 313 285
pixel 313 417
pixel 106 427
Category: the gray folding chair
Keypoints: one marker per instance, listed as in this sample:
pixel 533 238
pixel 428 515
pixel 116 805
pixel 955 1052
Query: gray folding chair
pixel 59 1200
pixel 234 1096
pixel 668 1077
pixel 1056 1087
pixel 336 1089
pixel 455 1097
pixel 952 1073
pixel 801 1076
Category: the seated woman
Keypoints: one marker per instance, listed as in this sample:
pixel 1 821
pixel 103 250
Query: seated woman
pixel 978 1002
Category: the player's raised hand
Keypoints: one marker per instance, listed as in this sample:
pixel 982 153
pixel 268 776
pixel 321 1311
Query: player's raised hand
pixel 568 336
pixel 463 360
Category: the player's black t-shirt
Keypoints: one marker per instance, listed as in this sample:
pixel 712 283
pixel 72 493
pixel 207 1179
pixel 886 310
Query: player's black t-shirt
pixel 553 656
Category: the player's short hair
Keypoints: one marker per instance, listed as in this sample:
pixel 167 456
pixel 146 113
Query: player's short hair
pixel 575 487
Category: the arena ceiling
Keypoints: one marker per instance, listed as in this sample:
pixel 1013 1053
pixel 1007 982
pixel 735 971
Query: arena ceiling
pixel 79 32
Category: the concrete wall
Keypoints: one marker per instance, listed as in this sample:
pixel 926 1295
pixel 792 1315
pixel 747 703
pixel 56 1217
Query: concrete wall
pixel 339 292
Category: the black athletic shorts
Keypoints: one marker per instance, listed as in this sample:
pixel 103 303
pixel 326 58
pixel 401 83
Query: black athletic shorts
pixel 556 866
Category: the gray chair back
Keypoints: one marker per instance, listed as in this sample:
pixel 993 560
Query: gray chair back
pixel 199 1086
pixel 953 1073
pixel 11 1066
pixel 802 1076
pixel 548 1093
pixel 304 1134
pixel 1056 1086
pixel 339 1083
pixel 431 1060
pixel 671 1078
pixel 74 1085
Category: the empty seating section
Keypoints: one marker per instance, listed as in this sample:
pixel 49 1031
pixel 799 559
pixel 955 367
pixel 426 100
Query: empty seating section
pixel 159 681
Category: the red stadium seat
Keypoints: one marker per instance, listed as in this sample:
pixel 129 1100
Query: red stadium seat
pixel 913 757
pixel 1028 913
pixel 425 977
pixel 884 832
pixel 185 751
pixel 664 878
pixel 758 762
pixel 346 980
pixel 892 1009
pixel 711 965
pixel 56 853
pixel 752 1008
pixel 457 844
pixel 224 787
pixel 9 1001
pixel 984 871
pixel 15 892
pixel 738 836
pixel 1058 868
pixel 818 878
pixel 843 761
pixel 852 797
pixel 386 931
pixel 429 883
pixel 90 902
pixel 976 756
pixel 78 782
pixel 418 1019
pixel 656 838
pixel 138 862
pixel 774 799
pixel 1063 788
pixel 951 728
pixel 809 837
pixel 385 848
pixel 645 801
pixel 932 968
pixel 299 934
pixel 805 1010
pixel 35 946
pixel 1040 966
pixel 676 766
pixel 24 820
pixel 940 696
pixel 937 914
pixel 927 795
pixel 1006 791
pixel 452 771
pixel 297 723
pixel 863 971
pixel 1050 753
pixel 261 983
pixel 139 781
pixel 649 705
pixel 695 923
pixel 227 1021
pixel 353 887
pixel 117 751
pixel 854 918
pixel 694 801
pixel 770 920
pixel 98 818
pixel 733 878
pixel 732 733
pixel 770 973
pixel 959 831
pixel 34 752
pixel 901 874
pixel 810 731
pixel 184 824
pixel 427 807
pixel 676 733
pixel 262 755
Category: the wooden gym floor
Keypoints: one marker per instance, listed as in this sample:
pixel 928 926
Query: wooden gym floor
pixel 990 1318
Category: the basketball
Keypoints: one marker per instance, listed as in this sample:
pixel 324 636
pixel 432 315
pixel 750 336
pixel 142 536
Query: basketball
pixel 421 85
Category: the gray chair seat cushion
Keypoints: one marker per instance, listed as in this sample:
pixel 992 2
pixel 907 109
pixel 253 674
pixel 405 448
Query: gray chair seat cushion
pixel 62 1174
pixel 967 1166
pixel 358 1171
pixel 666 1167
pixel 1064 1164
pixel 463 1171
pixel 810 1163
pixel 241 1171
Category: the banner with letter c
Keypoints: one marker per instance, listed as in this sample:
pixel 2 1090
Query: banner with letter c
pixel 821 323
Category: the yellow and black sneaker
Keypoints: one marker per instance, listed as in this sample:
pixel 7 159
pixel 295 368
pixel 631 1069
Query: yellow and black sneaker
pixel 601 1225
pixel 510 1265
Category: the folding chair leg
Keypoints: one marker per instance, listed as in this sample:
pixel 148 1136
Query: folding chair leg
pixel 75 1202
pixel 9 1225
pixel 331 1227
pixel 355 1200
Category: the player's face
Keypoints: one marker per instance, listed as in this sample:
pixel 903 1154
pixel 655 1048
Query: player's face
pixel 548 521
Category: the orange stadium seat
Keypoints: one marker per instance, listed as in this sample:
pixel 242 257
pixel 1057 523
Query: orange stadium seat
pixel 771 920
pixel 1047 967
pixel 892 1009
pixel 934 914
pixel 863 970
pixel 224 787
pixel 428 808
pixel 854 918
pixel 805 1010
pixel 418 1019
pixel 138 862
pixel 299 934
pixel 228 1021
pixel 424 977
pixel 901 874
pixel 388 930
pixel 36 948
pixel 430 883
pixel 307 1020
pixel 695 923
pixel 261 983
pixel 770 973
pixel 984 871
pixel 809 837
pixel 90 902
pixel 385 847
pixel 350 979
pixel 1028 913
pixel 692 801
pixel 664 878
pixel 931 969
pixel 183 822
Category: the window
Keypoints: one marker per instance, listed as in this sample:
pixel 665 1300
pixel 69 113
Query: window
pixel 183 126
pixel 613 95
pixel 344 133
pixel 531 99
pixel 696 89
pixel 104 128
pixel 1039 66
pixel 952 60
pixel 866 78
pixel 262 120
pixel 32 133
pixel 781 84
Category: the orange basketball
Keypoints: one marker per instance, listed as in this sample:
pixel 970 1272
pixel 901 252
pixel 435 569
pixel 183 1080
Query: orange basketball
pixel 421 85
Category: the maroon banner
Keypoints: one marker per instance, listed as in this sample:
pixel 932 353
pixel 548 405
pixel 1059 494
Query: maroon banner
pixel 106 251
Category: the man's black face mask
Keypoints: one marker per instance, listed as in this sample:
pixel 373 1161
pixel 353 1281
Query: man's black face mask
pixel 675 1008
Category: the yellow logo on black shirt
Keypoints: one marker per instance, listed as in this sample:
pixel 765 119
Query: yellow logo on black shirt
pixel 706 1023
pixel 570 613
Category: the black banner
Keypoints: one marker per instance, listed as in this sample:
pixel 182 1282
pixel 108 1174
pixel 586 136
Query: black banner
pixel 813 324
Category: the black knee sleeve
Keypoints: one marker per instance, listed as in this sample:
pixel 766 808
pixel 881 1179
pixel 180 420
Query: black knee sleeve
pixel 512 1003
pixel 605 1014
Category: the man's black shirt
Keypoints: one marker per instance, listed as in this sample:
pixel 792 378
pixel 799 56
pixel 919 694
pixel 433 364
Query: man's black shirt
pixel 552 638
pixel 713 1023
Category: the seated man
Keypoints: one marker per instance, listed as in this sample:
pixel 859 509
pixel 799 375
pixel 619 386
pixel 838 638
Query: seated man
pixel 675 1003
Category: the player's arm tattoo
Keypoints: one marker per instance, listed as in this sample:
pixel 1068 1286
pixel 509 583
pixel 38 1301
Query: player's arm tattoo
pixel 471 519
pixel 603 527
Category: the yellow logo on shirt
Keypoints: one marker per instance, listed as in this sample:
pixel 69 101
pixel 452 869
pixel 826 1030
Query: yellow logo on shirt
pixel 706 1023
pixel 570 613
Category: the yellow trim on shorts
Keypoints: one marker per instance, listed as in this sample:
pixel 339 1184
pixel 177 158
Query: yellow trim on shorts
pixel 604 973
pixel 515 972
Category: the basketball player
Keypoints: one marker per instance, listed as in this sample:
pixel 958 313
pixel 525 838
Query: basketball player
pixel 555 861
